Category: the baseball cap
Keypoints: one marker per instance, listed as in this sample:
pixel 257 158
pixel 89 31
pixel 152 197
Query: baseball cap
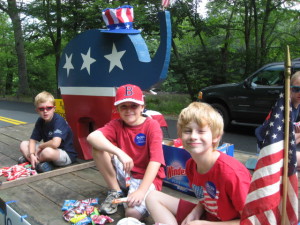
pixel 129 93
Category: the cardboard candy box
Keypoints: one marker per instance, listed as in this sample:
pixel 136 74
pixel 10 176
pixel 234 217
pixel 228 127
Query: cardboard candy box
pixel 175 165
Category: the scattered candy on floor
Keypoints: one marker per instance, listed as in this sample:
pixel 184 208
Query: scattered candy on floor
pixel 83 212
pixel 17 171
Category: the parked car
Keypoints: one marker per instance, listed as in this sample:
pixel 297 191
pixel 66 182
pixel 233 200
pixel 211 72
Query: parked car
pixel 250 100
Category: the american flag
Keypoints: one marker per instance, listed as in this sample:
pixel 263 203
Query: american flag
pixel 264 200
pixel 165 3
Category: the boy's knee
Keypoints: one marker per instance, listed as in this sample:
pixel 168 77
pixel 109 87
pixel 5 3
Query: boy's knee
pixel 48 154
pixel 132 212
pixel 24 145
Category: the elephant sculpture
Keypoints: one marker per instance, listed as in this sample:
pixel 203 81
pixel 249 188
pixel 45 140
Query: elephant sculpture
pixel 94 63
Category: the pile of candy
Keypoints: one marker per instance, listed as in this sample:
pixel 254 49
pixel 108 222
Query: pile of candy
pixel 17 171
pixel 83 212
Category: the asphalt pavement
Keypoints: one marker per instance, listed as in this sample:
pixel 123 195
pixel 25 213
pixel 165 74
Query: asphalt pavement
pixel 16 113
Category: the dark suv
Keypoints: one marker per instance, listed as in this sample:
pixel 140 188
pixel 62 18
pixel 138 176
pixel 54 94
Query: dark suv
pixel 250 100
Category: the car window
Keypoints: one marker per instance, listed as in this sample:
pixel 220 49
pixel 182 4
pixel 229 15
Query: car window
pixel 269 76
pixel 296 68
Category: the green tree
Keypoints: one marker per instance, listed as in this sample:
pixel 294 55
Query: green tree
pixel 13 11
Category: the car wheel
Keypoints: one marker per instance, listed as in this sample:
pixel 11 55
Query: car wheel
pixel 224 113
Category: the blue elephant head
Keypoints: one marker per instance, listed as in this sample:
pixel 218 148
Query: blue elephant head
pixel 94 63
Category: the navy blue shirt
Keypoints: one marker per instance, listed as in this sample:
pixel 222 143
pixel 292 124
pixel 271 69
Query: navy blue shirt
pixel 57 127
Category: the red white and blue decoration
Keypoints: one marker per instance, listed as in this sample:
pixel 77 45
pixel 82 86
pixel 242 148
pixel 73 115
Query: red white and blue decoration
pixel 119 20
pixel 94 63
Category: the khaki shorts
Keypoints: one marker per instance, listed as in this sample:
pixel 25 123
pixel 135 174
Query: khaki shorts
pixel 134 185
pixel 63 160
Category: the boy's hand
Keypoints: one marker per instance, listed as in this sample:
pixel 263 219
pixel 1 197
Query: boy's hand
pixel 297 128
pixel 33 160
pixel 135 198
pixel 126 160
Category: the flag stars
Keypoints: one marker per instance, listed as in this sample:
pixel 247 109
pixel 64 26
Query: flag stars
pixel 279 128
pixel 274 136
pixel 271 124
pixel 276 115
pixel 292 142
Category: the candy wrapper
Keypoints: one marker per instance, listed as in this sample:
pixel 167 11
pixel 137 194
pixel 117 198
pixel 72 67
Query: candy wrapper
pixel 77 218
pixel 119 200
pixel 87 220
pixel 101 219
pixel 68 204
pixel 127 180
pixel 17 171
pixel 81 212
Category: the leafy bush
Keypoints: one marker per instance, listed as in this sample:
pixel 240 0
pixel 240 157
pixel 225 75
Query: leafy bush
pixel 169 104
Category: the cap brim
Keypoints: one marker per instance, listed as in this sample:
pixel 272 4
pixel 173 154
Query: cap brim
pixel 129 100
pixel 121 31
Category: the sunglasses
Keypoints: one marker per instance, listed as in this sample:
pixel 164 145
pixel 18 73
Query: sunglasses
pixel 47 108
pixel 295 89
pixel 125 107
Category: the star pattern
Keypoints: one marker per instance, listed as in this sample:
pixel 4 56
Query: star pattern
pixel 87 61
pixel 274 132
pixel 115 58
pixel 68 65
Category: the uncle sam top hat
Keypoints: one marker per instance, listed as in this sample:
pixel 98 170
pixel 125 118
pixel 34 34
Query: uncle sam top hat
pixel 119 20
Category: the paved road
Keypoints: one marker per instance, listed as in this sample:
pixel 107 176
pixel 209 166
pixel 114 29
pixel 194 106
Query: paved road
pixel 241 136
pixel 15 113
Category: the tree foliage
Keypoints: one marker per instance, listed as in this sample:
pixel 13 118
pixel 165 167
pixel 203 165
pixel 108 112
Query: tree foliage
pixel 231 41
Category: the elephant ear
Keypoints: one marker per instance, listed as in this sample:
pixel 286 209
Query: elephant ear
pixel 140 48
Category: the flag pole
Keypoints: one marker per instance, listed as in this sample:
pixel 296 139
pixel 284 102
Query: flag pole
pixel 287 75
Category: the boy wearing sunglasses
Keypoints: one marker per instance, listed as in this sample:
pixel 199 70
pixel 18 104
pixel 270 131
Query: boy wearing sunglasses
pixel 295 102
pixel 57 146
pixel 128 154
pixel 295 99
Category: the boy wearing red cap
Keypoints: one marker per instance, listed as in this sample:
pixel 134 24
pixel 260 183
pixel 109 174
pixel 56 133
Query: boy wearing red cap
pixel 129 146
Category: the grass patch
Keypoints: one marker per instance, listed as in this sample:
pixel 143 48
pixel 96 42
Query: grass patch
pixel 17 99
pixel 168 104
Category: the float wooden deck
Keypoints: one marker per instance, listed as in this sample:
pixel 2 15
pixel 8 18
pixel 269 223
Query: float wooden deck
pixel 41 197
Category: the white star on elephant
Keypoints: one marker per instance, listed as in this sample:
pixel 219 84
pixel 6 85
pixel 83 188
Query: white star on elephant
pixel 115 58
pixel 87 61
pixel 68 65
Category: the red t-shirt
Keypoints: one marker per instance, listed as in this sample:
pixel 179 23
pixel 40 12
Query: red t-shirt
pixel 223 189
pixel 143 143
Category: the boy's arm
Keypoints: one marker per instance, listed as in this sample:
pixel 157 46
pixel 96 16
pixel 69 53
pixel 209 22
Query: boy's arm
pixel 53 143
pixel 31 156
pixel 137 197
pixel 100 142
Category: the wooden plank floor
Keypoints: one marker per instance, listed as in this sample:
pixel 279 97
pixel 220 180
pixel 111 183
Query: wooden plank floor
pixel 41 200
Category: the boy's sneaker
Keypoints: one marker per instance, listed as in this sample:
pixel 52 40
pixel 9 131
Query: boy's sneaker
pixel 44 167
pixel 22 159
pixel 107 207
